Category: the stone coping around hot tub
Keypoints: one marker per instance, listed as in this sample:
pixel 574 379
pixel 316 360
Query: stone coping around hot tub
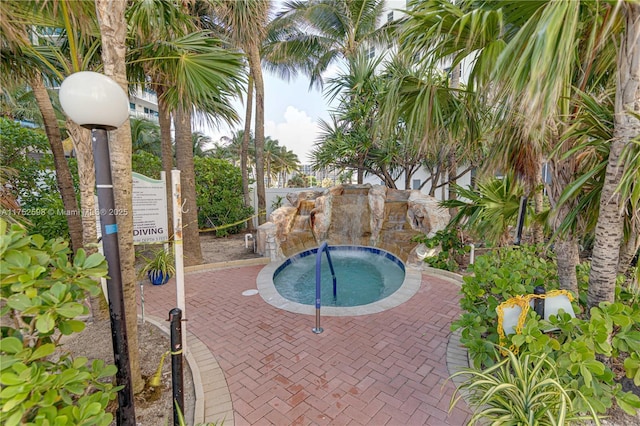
pixel 269 294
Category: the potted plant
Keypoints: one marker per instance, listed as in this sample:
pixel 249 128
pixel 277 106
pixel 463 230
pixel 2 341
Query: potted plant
pixel 159 267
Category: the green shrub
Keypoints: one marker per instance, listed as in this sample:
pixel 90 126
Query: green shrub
pixel 497 276
pixel 146 164
pixel 40 298
pixel 297 181
pixel 34 183
pixel 576 345
pixel 521 389
pixel 451 247
pixel 48 218
pixel 219 196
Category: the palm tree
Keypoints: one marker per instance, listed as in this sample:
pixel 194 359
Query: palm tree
pixel 245 23
pixel 17 101
pixel 52 61
pixel 609 230
pixel 231 148
pixel 425 122
pixel 113 32
pixel 549 39
pixel 186 58
pixel 357 90
pixel 330 31
pixel 145 136
pixel 490 210
pixel 288 163
pixel 271 151
pixel 594 130
pixel 151 22
pixel 199 142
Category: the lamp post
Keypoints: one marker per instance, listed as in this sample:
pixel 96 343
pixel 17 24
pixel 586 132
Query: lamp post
pixel 96 102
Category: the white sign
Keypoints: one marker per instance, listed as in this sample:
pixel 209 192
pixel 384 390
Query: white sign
pixel 150 223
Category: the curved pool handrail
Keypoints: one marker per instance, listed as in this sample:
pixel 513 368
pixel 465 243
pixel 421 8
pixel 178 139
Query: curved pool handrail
pixel 324 247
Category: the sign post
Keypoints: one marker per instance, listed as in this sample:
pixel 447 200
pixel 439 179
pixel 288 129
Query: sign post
pixel 177 248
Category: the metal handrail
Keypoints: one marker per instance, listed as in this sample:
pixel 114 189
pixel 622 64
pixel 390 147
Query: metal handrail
pixel 323 248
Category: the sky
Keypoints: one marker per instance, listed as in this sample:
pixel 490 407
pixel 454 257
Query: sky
pixel 292 110
pixel 292 113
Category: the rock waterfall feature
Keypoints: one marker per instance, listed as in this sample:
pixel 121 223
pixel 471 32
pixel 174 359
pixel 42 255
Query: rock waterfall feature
pixel 364 215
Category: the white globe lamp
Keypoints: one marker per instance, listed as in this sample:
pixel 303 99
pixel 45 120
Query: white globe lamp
pixel 94 100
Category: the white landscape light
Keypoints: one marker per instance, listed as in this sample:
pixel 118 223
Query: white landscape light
pixel 511 316
pixel 422 251
pixel 512 313
pixel 94 100
pixel 553 305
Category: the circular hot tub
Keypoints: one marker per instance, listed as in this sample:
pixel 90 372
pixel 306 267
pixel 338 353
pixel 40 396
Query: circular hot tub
pixel 368 280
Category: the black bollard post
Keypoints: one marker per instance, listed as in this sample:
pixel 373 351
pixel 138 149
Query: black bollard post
pixel 538 302
pixel 520 224
pixel 175 316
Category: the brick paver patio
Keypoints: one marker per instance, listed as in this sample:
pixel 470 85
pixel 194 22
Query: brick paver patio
pixel 381 369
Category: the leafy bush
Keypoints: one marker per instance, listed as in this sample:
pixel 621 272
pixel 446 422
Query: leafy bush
pixel 146 164
pixel 277 202
pixel 297 181
pixel 218 191
pixel 47 213
pixel 451 247
pixel 577 343
pixel 40 296
pixel 521 390
pixel 497 276
pixel 34 185
pixel 24 150
pixel 219 196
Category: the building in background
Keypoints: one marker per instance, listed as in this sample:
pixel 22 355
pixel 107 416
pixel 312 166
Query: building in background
pixel 144 104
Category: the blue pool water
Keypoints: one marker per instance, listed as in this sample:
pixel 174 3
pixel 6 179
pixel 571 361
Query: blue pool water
pixel 364 275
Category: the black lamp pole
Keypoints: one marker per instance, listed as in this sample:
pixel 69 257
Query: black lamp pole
pixel 126 413
pixel 96 102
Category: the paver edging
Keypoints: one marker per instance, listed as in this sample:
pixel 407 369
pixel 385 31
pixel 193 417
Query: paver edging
pixel 227 264
pixel 198 355
pixel 457 354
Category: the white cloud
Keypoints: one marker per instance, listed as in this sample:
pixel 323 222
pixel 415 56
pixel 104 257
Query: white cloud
pixel 298 132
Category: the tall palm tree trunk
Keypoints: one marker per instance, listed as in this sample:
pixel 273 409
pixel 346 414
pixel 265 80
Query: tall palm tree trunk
pixel 184 160
pixel 629 249
pixel 538 205
pixel 566 246
pixel 113 29
pixel 609 229
pixel 164 121
pixel 244 150
pixel 87 181
pixel 256 72
pixel 567 257
pixel 63 174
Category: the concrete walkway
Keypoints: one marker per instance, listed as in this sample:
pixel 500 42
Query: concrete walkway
pixel 259 365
